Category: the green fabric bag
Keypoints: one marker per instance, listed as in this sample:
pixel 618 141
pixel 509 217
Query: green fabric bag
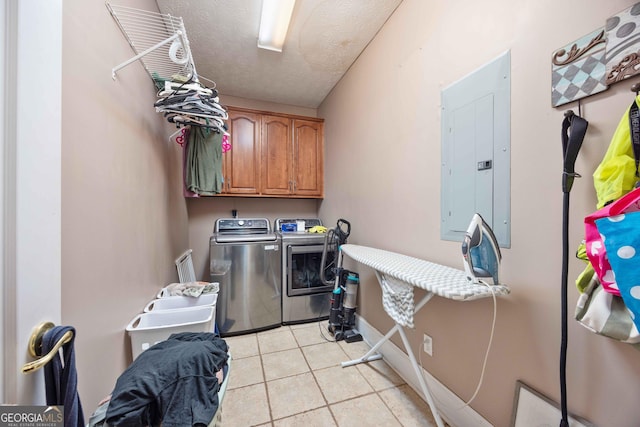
pixel 604 313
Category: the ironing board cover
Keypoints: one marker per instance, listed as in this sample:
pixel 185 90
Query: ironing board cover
pixel 404 272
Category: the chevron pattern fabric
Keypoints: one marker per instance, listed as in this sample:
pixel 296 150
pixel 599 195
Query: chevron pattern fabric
pixel 397 300
pixel 443 281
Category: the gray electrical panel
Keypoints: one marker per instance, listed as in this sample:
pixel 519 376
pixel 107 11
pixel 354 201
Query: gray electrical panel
pixel 476 152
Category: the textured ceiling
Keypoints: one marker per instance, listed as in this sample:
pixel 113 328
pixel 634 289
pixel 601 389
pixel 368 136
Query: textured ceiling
pixel 325 37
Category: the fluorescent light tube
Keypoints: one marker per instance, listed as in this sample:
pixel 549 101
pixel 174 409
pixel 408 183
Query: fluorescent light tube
pixel 274 23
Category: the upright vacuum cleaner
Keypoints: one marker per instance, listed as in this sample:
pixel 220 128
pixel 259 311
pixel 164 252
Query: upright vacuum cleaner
pixel 342 314
pixel 574 129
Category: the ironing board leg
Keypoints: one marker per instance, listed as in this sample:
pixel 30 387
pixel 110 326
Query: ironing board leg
pixel 423 384
pixel 398 328
pixel 370 356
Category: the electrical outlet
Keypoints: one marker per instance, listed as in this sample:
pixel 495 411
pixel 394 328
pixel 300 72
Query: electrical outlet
pixel 428 345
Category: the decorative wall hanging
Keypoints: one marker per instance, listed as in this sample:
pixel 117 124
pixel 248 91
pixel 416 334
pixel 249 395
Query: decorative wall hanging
pixel 622 48
pixel 578 69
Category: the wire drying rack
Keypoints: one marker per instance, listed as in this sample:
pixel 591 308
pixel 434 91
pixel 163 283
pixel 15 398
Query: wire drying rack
pixel 159 41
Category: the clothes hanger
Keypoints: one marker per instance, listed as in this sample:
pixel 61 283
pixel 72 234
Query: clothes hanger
pixel 190 95
pixel 188 85
pixel 184 120
pixel 195 108
pixel 191 102
pixel 180 139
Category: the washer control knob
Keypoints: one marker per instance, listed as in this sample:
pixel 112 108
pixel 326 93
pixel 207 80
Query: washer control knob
pixel 241 223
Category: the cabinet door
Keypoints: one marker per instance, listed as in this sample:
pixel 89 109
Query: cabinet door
pixel 276 156
pixel 308 158
pixel 242 163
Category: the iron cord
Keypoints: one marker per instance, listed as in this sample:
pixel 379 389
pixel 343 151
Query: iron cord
pixel 486 354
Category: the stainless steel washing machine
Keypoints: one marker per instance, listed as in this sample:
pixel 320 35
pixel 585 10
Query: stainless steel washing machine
pixel 245 259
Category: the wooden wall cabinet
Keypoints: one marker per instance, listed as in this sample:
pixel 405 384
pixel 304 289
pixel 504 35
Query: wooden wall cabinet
pixel 308 158
pixel 241 166
pixel 274 155
pixel 277 177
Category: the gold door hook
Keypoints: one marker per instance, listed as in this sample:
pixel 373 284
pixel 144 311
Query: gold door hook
pixel 35 346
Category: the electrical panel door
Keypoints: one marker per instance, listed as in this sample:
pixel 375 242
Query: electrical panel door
pixel 476 152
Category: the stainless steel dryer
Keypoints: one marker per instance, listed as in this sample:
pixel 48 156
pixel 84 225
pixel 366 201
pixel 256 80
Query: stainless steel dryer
pixel 245 259
pixel 304 297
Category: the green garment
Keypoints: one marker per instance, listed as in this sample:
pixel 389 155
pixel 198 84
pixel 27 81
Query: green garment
pixel 204 161
pixel 616 174
pixel 585 277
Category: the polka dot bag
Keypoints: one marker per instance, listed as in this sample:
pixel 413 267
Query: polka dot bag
pixel 621 237
pixel 595 248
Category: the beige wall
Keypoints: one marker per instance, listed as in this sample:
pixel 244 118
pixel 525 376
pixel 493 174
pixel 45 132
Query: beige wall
pixel 123 218
pixel 234 101
pixel 382 130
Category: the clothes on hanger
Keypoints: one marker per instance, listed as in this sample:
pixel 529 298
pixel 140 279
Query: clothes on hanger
pixel 204 162
pixel 190 105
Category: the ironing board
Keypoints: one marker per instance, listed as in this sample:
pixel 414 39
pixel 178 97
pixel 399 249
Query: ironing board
pixel 412 272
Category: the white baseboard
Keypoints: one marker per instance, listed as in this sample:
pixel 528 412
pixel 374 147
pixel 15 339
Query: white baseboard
pixel 450 406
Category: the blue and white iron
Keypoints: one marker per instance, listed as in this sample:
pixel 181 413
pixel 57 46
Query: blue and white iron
pixel 481 253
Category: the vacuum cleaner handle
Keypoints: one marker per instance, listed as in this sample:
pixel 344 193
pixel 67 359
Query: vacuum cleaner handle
pixel 343 234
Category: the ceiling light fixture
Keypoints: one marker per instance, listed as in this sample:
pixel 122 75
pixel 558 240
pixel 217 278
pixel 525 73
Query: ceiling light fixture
pixel 274 23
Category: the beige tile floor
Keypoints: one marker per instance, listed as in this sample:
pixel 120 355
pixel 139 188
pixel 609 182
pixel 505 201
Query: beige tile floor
pixel 291 376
